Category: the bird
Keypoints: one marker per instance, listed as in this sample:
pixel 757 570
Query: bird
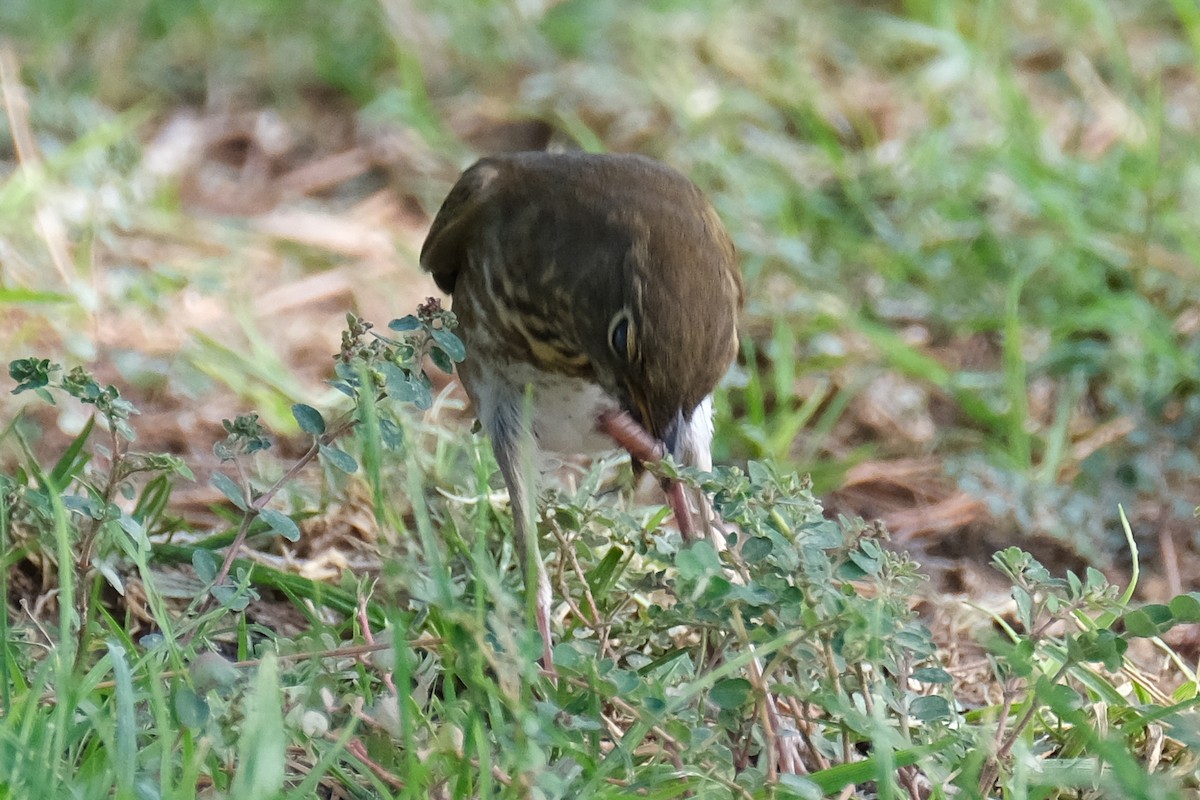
pixel 597 296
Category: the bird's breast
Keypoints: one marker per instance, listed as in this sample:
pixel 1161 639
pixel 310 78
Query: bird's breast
pixel 565 411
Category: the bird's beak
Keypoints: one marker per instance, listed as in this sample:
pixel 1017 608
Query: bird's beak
pixel 670 436
pixel 641 413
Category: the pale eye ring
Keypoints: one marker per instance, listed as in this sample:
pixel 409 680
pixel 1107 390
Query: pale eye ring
pixel 621 336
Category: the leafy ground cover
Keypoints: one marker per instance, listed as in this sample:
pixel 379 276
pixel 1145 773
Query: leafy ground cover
pixel 967 234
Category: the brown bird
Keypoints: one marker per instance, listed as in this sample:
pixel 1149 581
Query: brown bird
pixel 597 295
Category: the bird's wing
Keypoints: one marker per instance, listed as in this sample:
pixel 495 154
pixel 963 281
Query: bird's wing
pixel 444 251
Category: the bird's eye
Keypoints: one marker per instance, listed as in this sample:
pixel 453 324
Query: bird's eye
pixel 620 338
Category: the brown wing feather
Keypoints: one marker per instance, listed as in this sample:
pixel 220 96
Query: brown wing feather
pixel 455 226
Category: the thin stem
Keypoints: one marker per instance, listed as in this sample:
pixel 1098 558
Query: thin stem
pixel 260 502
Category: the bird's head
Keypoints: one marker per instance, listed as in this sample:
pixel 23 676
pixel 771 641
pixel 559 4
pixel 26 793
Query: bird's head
pixel 670 332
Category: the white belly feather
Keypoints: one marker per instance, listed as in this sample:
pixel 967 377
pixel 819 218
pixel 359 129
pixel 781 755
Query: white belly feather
pixel 563 414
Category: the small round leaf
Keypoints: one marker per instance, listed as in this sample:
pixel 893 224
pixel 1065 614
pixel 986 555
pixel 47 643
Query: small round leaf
pixel 409 323
pixel 450 344
pixel 932 675
pixel 930 708
pixel 190 708
pixel 226 486
pixel 210 670
pixel 441 360
pixel 309 419
pixel 757 548
pixel 281 523
pixel 730 693
pixel 339 459
pixel 1186 607
pixel 204 564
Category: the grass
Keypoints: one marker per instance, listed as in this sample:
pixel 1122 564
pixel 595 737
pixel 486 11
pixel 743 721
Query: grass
pixel 979 212
pixel 666 660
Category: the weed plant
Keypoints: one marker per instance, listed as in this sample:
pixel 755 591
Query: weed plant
pixel 682 672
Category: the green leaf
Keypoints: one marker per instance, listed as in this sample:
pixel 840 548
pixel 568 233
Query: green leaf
pixel 1149 620
pixel 391 434
pixel 730 693
pixel 1024 607
pixel 281 523
pixel 760 473
pixel 931 708
pixel 405 388
pixel 136 531
pixel 204 564
pixel 797 787
pixel 211 670
pixel 825 534
pixel 600 578
pixel 624 681
pixel 752 594
pixel 126 720
pixel 226 486
pixel 190 708
pixel 932 675
pixel 441 360
pixel 83 505
pixel 409 323
pixel 30 373
pixel 74 457
pixel 309 419
pixel 757 548
pixel 339 459
pixel 868 563
pixel 151 641
pixel 712 590
pixel 698 561
pixel 1186 607
pixel 1062 699
pixel 229 597
pixel 262 744
pixel 450 344
pixel 566 656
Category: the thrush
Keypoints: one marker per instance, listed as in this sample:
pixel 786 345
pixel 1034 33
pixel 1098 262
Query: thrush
pixel 597 296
